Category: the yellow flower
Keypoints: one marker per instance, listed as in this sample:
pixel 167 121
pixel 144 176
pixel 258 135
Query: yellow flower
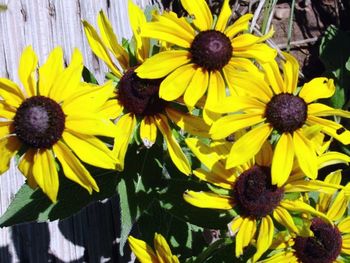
pixel 145 254
pixel 204 55
pixel 251 194
pixel 323 241
pixel 56 118
pixel 271 102
pixel 139 98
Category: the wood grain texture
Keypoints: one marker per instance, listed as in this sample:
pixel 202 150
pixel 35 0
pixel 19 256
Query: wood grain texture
pixel 92 234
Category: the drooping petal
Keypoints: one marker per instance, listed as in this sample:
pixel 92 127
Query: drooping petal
pixel 90 149
pixel 310 186
pixel 8 148
pixel 321 110
pixel 110 39
pixel 208 200
pixel 248 145
pixel 187 122
pixel 305 154
pixel 26 71
pixel 162 64
pixel 324 199
pixel 174 85
pixel 273 75
pixel 234 122
pixel 317 88
pixel 49 72
pixel 124 131
pixel 197 87
pixel 90 124
pixel 148 131
pixel 45 173
pixel 142 251
pixel 221 180
pixel 11 93
pixel 265 155
pixel 202 17
pixel 216 91
pixel 99 48
pixel 261 52
pixel 26 167
pixel 73 169
pixel 224 16
pixel 162 249
pixel 338 208
pixel 68 81
pixel 330 158
pixel 174 149
pixel 282 162
pixel 245 235
pixel 265 237
pixel 283 217
pixel 241 24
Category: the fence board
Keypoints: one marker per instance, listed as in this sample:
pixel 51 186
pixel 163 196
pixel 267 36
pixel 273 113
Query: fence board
pixel 91 235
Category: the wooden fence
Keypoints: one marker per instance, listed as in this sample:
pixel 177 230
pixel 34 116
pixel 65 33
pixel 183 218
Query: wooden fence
pixel 92 234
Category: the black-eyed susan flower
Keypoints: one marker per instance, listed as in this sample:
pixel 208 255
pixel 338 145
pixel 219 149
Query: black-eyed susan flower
pixel 57 117
pixel 138 97
pixel 145 254
pixel 321 241
pixel 203 54
pixel 271 102
pixel 250 192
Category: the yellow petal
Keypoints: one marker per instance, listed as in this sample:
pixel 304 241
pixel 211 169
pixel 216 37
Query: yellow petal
pixel 290 73
pixel 90 149
pixel 174 85
pixel 229 124
pixel 265 237
pixel 187 122
pixel 310 186
pixel 197 87
pixel 89 99
pixel 338 208
pixel 148 131
pixel 124 131
pixel 169 29
pixel 305 154
pixel 8 148
pixel 6 111
pixel 261 52
pixel 245 235
pixel 318 109
pixel 67 82
pixel 241 24
pixel 5 129
pixel 111 109
pixel 11 93
pixel 281 257
pixel 331 128
pixel 90 124
pixel 99 48
pixel 317 88
pixel 265 155
pixel 273 75
pixel 73 169
pixel 49 72
pixel 216 91
pixel 324 199
pixel 142 251
pixel 248 145
pixel 238 103
pixel 208 200
pixel 110 40
pixel 174 149
pixel 224 16
pixel 45 173
pixel 282 162
pixel 162 249
pixel 283 217
pixel 217 179
pixel 26 167
pixel 330 158
pixel 202 17
pixel 26 71
pixel 345 248
pixel 344 225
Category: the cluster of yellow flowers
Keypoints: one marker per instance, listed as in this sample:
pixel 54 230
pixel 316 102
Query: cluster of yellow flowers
pixel 266 136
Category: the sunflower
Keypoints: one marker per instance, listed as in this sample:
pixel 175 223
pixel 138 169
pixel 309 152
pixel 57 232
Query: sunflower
pixel 56 118
pixel 270 103
pixel 323 242
pixel 250 193
pixel 139 98
pixel 145 254
pixel 203 54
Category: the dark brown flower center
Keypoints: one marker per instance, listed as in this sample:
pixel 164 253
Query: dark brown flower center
pixel 39 122
pixel 323 247
pixel 286 112
pixel 140 96
pixel 255 195
pixel 211 50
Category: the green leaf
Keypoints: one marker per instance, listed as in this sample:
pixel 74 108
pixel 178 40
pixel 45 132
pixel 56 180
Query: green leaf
pixel 88 76
pixel 335 54
pixel 33 205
